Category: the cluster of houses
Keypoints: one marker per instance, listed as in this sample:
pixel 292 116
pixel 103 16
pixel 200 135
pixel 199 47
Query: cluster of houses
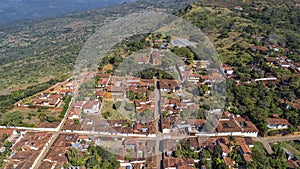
pixel 228 124
pixel 279 60
pixel 274 56
pixel 143 127
pixel 191 74
pixel 137 153
pixel 51 97
pixel 28 146
pixel 197 144
pixel 47 99
pixel 56 156
pixel 283 62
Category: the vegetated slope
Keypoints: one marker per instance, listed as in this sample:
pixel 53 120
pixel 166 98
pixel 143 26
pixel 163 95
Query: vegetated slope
pixel 233 32
pixel 33 52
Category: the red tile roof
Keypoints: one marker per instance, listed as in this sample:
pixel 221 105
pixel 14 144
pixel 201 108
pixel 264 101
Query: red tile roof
pixel 102 81
pixel 245 149
pixel 228 161
pixel 100 93
pixel 6 131
pixel 247 157
pixel 278 121
pixel 104 75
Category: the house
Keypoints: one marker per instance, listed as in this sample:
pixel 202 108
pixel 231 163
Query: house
pixel 178 163
pixel 66 91
pixel 156 58
pixel 229 163
pixel 239 8
pixel 144 128
pixel 227 69
pixel 192 125
pixel 271 60
pixel 236 126
pixel 245 152
pixel 100 93
pixel 285 64
pixel 212 78
pixel 248 128
pixel 74 114
pixel 9 132
pixel 138 90
pixel 104 75
pixel 274 48
pixel 166 123
pixel 225 149
pixel 115 91
pixel 146 83
pixel 245 140
pixel 277 123
pixel 91 107
pixel 46 99
pixel 142 59
pixel 168 85
pixel 245 149
pixel 261 49
pixel 190 77
pixel 296 66
pixel 102 82
pixel 204 64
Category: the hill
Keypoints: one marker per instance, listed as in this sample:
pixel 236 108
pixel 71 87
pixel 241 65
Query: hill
pixel 33 52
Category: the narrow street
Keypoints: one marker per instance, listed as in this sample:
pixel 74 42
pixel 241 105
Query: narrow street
pixel 56 133
pixel 158 148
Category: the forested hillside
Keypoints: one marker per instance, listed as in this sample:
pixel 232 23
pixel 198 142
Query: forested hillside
pixel 234 30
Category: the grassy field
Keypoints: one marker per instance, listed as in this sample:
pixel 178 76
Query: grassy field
pixel 29 117
pixel 293 147
pixel 107 106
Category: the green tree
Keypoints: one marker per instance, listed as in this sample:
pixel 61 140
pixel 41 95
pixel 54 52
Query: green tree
pixel 106 114
pixel 177 153
pixel 51 119
pixel 131 95
pixel 147 114
pixel 74 157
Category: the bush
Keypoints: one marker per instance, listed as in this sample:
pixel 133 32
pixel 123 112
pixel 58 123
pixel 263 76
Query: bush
pixel 51 119
pixel 67 101
pixel 129 106
pixel 106 114
pixel 273 133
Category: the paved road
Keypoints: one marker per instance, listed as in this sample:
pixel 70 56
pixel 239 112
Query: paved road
pixel 282 138
pixel 57 131
pixel 265 144
pixel 158 151
pixel 267 140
